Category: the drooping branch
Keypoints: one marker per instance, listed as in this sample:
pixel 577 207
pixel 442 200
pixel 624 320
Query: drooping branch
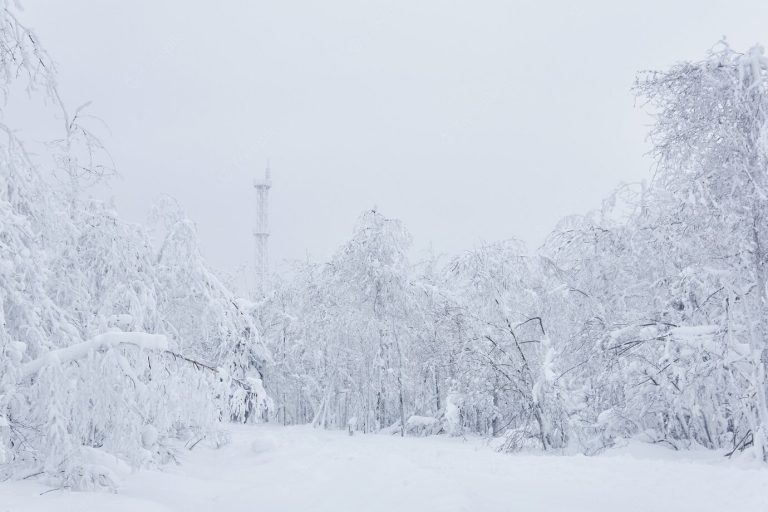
pixel 100 342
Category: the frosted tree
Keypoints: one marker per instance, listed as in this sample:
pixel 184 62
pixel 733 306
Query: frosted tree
pixel 368 280
pixel 101 366
pixel 503 344
pixel 342 334
pixel 291 321
pixel 205 319
pixel 710 143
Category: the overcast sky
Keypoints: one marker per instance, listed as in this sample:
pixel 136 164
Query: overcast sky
pixel 469 120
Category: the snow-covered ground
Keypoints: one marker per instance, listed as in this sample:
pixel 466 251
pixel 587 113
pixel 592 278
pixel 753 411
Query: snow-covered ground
pixel 269 468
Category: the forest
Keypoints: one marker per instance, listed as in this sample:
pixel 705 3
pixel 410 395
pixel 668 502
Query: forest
pixel 644 319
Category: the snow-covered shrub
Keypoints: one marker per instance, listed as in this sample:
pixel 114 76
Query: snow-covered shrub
pixel 115 397
pixel 423 426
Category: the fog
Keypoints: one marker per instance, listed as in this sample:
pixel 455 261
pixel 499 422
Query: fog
pixel 470 121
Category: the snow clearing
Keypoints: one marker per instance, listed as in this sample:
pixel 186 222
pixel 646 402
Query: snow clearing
pixel 301 469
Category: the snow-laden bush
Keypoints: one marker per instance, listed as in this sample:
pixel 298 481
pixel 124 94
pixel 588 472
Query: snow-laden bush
pixel 120 397
pixel 423 426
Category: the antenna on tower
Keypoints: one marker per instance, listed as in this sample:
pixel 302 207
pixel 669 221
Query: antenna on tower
pixel 261 231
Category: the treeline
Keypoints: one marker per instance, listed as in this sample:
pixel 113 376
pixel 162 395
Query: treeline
pixel 645 318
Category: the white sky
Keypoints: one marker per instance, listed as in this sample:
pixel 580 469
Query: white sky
pixel 469 120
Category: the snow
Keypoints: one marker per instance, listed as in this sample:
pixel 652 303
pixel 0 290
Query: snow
pixel 271 468
pixel 697 337
pixel 420 421
pixel 422 425
pixel 452 414
pixel 81 350
pixel 754 61
pixel 694 331
pixel 149 436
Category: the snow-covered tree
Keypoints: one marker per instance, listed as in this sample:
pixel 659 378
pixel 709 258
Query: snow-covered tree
pixel 112 353
pixel 710 144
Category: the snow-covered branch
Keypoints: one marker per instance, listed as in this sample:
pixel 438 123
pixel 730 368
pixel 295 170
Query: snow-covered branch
pixel 102 341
